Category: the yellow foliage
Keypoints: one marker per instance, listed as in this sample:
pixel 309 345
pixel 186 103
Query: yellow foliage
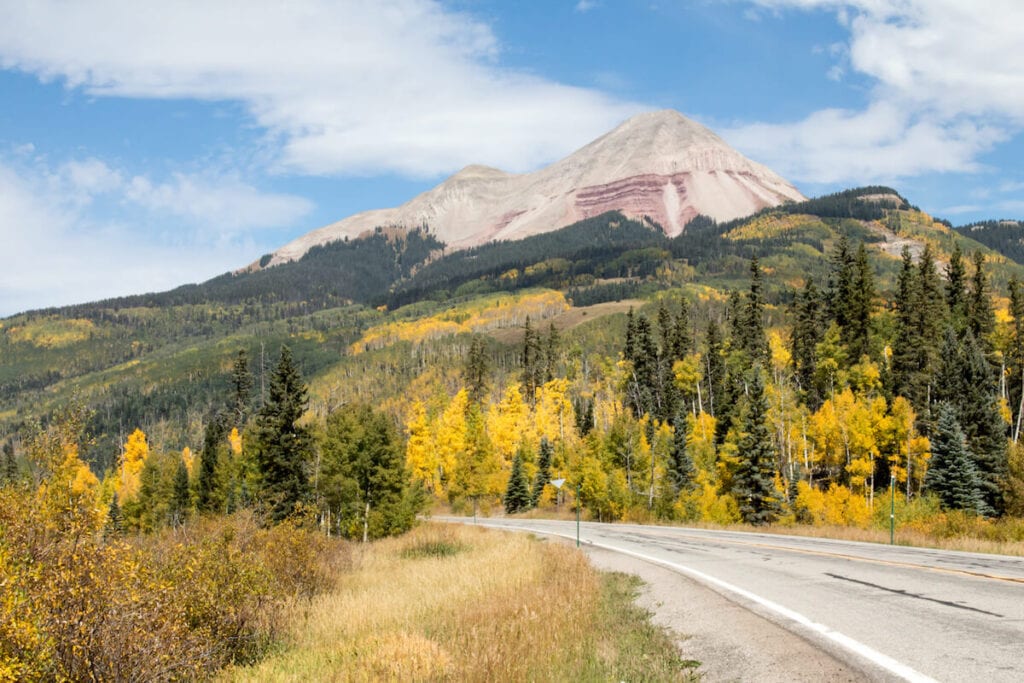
pixel 687 373
pixel 190 461
pixel 235 441
pixel 421 455
pixel 52 333
pixel 767 226
pixel 482 315
pixel 133 459
pixel 837 506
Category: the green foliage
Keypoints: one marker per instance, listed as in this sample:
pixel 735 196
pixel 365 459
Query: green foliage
pixel 543 476
pixel 951 473
pixel 517 494
pixel 283 447
pixel 754 482
pixel 363 480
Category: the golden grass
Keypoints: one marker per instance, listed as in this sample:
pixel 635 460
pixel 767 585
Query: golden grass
pixel 460 603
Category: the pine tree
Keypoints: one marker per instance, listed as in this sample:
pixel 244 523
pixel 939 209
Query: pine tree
pixel 364 477
pixel 956 289
pixel 533 362
pixel 543 475
pixel 1015 360
pixel 682 340
pixel 951 473
pixel 208 498
pixel 808 330
pixel 981 319
pixel 752 338
pixel 551 351
pixel 476 371
pixel 680 465
pixel 282 446
pixel 714 371
pixel 841 277
pixel 517 495
pixel 242 383
pixel 906 351
pixel 115 520
pixel 861 306
pixel 754 481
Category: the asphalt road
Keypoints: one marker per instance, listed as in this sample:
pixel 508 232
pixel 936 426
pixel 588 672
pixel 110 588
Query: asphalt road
pixel 895 613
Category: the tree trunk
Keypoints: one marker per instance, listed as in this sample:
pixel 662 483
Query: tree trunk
pixel 366 523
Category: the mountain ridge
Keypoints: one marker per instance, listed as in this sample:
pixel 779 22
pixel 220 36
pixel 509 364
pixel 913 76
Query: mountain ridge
pixel 660 167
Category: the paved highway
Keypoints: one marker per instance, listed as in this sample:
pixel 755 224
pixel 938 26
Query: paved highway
pixel 895 613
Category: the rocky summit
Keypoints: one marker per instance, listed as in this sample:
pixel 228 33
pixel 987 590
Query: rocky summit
pixel 659 166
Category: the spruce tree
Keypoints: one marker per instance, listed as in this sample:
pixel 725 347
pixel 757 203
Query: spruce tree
pixel 981 319
pixel 115 519
pixel 754 482
pixel 533 362
pixel 208 497
pixel 840 285
pixel 956 289
pixel 680 464
pixel 951 473
pixel 551 351
pixel 714 369
pixel 752 338
pixel 682 339
pixel 282 447
pixel 242 383
pixel 1015 359
pixel 517 495
pixel 861 305
pixel 808 331
pixel 476 372
pixel 543 475
pixel 906 348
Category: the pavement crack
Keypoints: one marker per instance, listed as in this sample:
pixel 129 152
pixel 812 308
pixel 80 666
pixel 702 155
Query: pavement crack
pixel 900 591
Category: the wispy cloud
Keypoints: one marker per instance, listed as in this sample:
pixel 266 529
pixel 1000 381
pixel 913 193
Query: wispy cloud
pixel 948 81
pixel 344 87
pixel 151 235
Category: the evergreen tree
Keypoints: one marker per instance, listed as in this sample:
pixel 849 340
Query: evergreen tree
pixel 363 474
pixel 476 371
pixel 951 473
pixel 517 495
pixel 860 306
pixel 981 319
pixel 282 447
pixel 714 370
pixel 533 362
pixel 551 351
pixel 208 496
pixel 1015 359
pixel 906 350
pixel 956 289
pixel 752 338
pixel 115 520
pixel 682 340
pixel 754 482
pixel 242 383
pixel 680 465
pixel 584 411
pixel 808 331
pixel 543 475
pixel 644 382
pixel 966 381
pixel 841 279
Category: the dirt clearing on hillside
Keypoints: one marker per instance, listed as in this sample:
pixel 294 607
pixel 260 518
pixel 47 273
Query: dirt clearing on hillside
pixel 568 319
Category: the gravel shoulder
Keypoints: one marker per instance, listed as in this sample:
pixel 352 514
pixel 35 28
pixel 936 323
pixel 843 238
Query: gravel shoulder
pixel 731 642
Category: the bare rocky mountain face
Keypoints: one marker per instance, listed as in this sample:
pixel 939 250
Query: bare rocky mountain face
pixel 660 166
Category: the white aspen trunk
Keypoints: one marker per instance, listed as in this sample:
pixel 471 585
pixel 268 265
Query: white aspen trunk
pixel 366 523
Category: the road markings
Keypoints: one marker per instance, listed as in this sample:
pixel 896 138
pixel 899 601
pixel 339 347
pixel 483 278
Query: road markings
pixel 855 646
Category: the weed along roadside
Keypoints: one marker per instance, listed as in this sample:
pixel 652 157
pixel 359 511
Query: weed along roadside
pixel 460 603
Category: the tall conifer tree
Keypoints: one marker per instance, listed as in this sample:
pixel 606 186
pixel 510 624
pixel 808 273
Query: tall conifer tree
pixel 282 446
pixel 754 482
pixel 951 472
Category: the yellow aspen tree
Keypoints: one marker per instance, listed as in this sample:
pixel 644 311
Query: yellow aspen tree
pixel 133 459
pixel 509 424
pixel 450 436
pixel 700 440
pixel 189 458
pixel 235 441
pixel 554 417
pixel 420 453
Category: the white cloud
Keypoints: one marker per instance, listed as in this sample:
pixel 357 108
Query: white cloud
pixel 220 205
pixel 59 248
pixel 948 85
pixel 346 87
pixel 585 5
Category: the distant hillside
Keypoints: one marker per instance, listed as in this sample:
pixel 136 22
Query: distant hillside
pixel 1004 236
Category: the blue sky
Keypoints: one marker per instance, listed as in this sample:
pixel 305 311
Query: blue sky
pixel 146 145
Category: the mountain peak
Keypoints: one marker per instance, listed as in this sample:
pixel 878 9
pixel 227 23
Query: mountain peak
pixel 657 165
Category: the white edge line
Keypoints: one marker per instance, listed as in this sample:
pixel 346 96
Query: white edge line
pixel 885 661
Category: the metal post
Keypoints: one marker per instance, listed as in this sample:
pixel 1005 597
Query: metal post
pixel 892 510
pixel 578 514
